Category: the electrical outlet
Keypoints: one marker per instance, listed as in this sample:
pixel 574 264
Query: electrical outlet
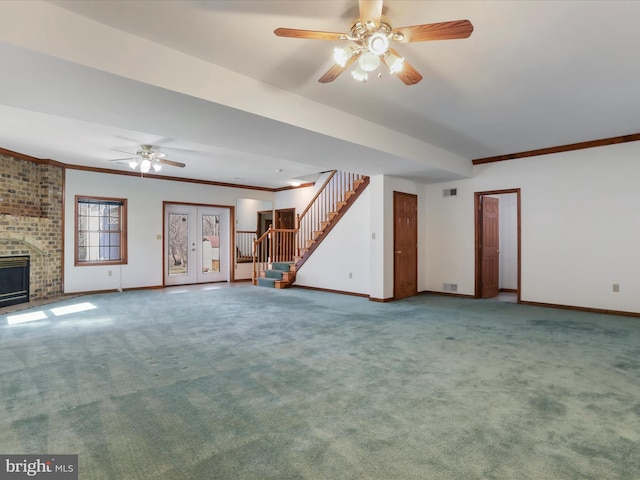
pixel 350 275
pixel 616 287
pixel 109 273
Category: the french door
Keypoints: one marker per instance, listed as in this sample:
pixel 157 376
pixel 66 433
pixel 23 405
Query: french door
pixel 196 244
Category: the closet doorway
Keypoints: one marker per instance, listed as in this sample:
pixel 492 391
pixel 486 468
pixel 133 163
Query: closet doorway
pixel 497 243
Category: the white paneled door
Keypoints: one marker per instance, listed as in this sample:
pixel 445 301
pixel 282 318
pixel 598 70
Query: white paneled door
pixel 196 243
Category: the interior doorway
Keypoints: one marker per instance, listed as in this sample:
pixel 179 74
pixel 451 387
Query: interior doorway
pixel 497 244
pixel 265 220
pixel 196 244
pixel 405 245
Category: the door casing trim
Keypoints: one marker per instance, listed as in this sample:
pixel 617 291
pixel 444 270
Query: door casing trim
pixel 232 234
pixel 477 231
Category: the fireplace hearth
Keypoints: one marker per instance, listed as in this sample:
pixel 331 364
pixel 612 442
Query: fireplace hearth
pixel 14 280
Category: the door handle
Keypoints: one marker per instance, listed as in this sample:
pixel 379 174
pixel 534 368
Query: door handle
pixel 398 252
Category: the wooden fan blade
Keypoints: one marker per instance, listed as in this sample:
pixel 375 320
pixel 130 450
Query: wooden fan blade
pixel 311 34
pixel 370 11
pixel 433 31
pixel 408 74
pixel 336 70
pixel 166 161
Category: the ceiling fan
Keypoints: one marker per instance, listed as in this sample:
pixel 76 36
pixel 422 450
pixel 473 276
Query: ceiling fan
pixel 372 34
pixel 146 158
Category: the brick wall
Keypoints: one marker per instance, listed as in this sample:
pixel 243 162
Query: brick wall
pixel 31 201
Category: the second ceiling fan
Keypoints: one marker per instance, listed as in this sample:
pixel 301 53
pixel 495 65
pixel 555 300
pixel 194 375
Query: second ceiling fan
pixel 371 35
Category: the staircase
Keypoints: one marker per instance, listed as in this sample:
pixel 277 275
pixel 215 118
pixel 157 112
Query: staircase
pixel 280 275
pixel 279 253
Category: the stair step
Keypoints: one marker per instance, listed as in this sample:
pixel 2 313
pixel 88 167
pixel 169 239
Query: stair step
pixel 339 205
pixel 324 225
pixel 276 274
pixel 267 282
pixel 310 242
pixel 332 215
pixel 349 194
pixel 357 183
pixel 283 266
pixel 317 233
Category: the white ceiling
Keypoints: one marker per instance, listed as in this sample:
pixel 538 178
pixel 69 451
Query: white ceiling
pixel 210 84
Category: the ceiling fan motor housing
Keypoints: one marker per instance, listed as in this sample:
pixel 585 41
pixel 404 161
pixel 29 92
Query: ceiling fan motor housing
pixel 373 37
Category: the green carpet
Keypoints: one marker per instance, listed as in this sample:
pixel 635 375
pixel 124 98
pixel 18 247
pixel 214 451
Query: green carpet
pixel 253 383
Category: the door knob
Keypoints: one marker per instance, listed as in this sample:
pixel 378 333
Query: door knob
pixel 398 252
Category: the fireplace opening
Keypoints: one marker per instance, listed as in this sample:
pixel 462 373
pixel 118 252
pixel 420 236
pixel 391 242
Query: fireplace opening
pixel 14 280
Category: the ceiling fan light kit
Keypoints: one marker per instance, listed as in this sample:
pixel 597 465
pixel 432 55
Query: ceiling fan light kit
pixel 145 165
pixel 372 35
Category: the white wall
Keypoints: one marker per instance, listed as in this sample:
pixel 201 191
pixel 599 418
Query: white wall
pixel 580 214
pixel 144 197
pixel 298 198
pixel 447 254
pixel 341 261
pixel 247 212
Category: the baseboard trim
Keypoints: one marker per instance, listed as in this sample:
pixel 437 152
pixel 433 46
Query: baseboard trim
pixel 381 300
pixel 111 290
pixel 328 290
pixel 509 290
pixel 446 294
pixel 603 311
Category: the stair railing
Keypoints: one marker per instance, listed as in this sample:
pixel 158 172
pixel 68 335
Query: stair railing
pixel 244 245
pixel 311 221
pixel 274 245
pixel 261 254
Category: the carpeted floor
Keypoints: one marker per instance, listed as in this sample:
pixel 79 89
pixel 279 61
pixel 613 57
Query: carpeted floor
pixel 253 383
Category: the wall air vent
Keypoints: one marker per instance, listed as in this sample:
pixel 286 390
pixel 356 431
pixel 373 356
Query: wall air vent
pixel 450 287
pixel 449 192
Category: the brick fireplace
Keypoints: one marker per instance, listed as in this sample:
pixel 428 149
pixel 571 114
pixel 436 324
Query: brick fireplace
pixel 31 219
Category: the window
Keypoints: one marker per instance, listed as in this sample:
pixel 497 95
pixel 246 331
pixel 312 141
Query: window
pixel 101 231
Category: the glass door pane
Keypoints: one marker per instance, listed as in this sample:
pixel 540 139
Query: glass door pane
pixel 210 243
pixel 178 241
